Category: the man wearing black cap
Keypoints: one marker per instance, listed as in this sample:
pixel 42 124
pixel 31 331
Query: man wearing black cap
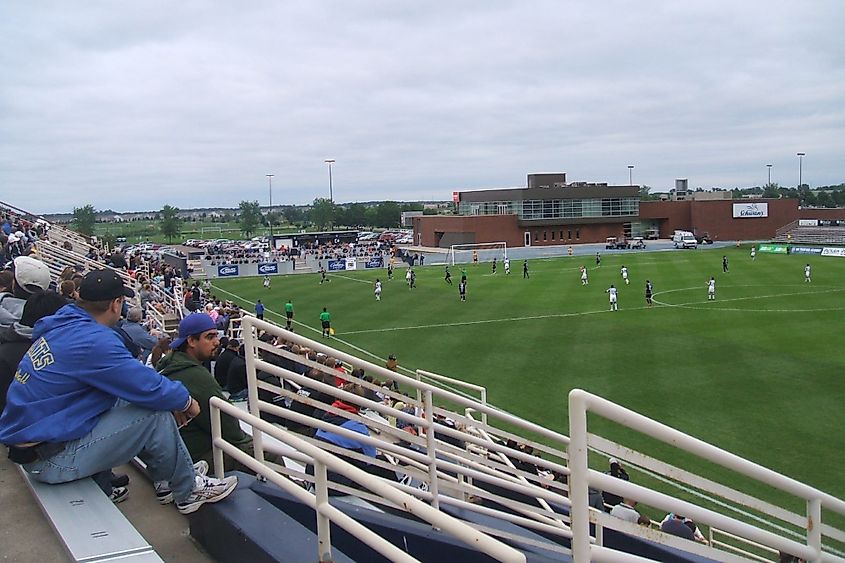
pixel 80 404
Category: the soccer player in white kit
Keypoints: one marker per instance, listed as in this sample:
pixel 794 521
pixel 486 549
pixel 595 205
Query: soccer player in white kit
pixel 377 289
pixel 625 275
pixel 711 289
pixel 611 291
pixel 266 282
pixel 507 266
pixel 584 280
pixel 807 274
pixel 753 253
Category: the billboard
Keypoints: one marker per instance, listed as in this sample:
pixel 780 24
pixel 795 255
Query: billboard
pixel 267 268
pixel 808 222
pixel 750 210
pixel 374 262
pixel 773 248
pixel 805 250
pixel 227 270
pixel 336 265
pixel 827 251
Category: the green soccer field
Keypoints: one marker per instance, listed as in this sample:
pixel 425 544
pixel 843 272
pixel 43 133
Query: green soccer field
pixel 758 372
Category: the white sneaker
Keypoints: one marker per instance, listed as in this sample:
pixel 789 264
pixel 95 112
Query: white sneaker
pixel 163 492
pixel 207 489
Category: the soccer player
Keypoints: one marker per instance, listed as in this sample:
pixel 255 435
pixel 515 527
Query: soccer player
pixel 711 289
pixel 525 269
pixel 377 289
pixel 807 274
pixel 462 290
pixel 725 264
pixel 289 314
pixel 507 266
pixel 463 274
pixel 625 275
pixel 408 275
pixel 649 293
pixel 323 277
pixel 753 253
pixel 448 277
pixel 494 264
pixel 611 291
pixel 598 259
pixel 389 271
pixel 584 280
pixel 266 282
pixel 413 279
pixel 326 322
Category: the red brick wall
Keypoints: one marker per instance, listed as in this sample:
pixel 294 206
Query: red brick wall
pixel 716 218
pixel 822 213
pixel 674 215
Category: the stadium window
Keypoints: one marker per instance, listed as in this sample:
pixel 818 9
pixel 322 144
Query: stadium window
pixel 536 236
pixel 544 236
pixel 577 234
pixel 553 235
pixel 569 234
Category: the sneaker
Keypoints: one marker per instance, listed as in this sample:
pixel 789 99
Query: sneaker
pixel 119 494
pixel 207 489
pixel 163 492
pixel 119 480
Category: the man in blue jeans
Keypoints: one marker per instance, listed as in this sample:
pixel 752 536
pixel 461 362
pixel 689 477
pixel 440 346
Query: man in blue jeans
pixel 80 404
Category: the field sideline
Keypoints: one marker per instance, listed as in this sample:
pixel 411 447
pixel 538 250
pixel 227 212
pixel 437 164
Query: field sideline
pixel 757 372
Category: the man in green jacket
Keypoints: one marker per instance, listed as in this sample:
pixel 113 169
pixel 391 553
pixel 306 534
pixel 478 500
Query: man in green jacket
pixel 197 343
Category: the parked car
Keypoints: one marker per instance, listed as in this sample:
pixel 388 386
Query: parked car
pixel 684 239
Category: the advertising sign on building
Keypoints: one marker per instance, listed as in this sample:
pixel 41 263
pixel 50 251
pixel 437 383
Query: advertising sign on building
pixel 228 270
pixel 337 265
pixel 805 250
pixel 750 210
pixel 268 268
pixel 808 222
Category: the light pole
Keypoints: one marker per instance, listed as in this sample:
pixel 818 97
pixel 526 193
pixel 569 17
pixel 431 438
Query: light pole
pixel 801 156
pixel 769 166
pixel 269 218
pixel 630 174
pixel 330 161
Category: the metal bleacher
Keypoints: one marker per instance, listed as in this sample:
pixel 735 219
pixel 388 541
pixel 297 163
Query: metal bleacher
pixel 796 233
pixel 515 482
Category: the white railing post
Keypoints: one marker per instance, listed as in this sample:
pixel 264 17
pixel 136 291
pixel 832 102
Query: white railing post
pixel 249 338
pixel 578 477
pixel 431 446
pixel 216 432
pixel 321 489
pixel 814 527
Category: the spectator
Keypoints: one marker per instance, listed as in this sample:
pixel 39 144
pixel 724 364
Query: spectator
pixel 137 333
pixel 29 275
pixel 236 376
pixel 197 343
pixel 67 289
pixel 15 340
pixel 6 278
pixel 90 406
pixel 616 470
pixel 626 510
pixel 393 365
pixel 674 524
pixel 159 350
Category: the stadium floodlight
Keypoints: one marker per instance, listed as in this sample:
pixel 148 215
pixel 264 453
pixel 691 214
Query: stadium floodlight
pixel 483 251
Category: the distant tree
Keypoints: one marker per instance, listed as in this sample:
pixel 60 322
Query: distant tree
pixel 808 199
pixel 771 190
pixel 323 212
pixel 170 223
pixel 824 199
pixel 293 214
pixel 387 214
pixel 249 217
pixel 411 207
pixel 356 215
pixel 736 193
pixel 272 218
pixel 84 219
pixel 429 211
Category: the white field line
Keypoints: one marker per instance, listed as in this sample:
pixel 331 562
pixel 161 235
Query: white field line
pixel 688 305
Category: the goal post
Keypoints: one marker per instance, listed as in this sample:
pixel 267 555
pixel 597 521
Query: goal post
pixel 477 252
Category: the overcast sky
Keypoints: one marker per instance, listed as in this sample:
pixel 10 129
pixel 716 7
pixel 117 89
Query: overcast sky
pixel 134 105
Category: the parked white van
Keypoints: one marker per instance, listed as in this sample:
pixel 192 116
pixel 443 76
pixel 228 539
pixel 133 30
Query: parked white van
pixel 684 239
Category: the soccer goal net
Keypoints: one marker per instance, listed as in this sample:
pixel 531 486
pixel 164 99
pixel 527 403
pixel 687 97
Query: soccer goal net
pixel 478 252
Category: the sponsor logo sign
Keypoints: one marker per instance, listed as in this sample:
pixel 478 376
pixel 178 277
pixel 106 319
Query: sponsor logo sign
pixel 773 248
pixel 268 268
pixel 750 210
pixel 374 262
pixel 827 251
pixel 227 270
pixel 337 265
pixel 805 250
pixel 350 264
pixel 808 222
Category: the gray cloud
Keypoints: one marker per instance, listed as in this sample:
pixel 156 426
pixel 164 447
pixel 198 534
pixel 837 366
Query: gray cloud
pixel 135 105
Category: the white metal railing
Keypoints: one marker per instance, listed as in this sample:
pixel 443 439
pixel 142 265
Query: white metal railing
pixel 582 477
pixel 326 513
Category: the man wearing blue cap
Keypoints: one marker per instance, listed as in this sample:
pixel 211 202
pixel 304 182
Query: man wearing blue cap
pixel 80 403
pixel 197 343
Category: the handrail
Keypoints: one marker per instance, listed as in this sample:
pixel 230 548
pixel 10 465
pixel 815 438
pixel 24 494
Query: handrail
pixel 581 477
pixel 326 513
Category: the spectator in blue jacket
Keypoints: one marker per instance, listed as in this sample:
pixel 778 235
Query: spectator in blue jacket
pixel 80 404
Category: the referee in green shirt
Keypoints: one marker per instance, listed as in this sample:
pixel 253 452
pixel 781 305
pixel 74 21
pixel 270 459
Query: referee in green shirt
pixel 326 320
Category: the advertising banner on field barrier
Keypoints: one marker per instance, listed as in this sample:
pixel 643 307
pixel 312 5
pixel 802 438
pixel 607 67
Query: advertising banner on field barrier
pixel 267 268
pixel 350 264
pixel 337 265
pixel 773 248
pixel 827 251
pixel 374 262
pixel 227 270
pixel 816 250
